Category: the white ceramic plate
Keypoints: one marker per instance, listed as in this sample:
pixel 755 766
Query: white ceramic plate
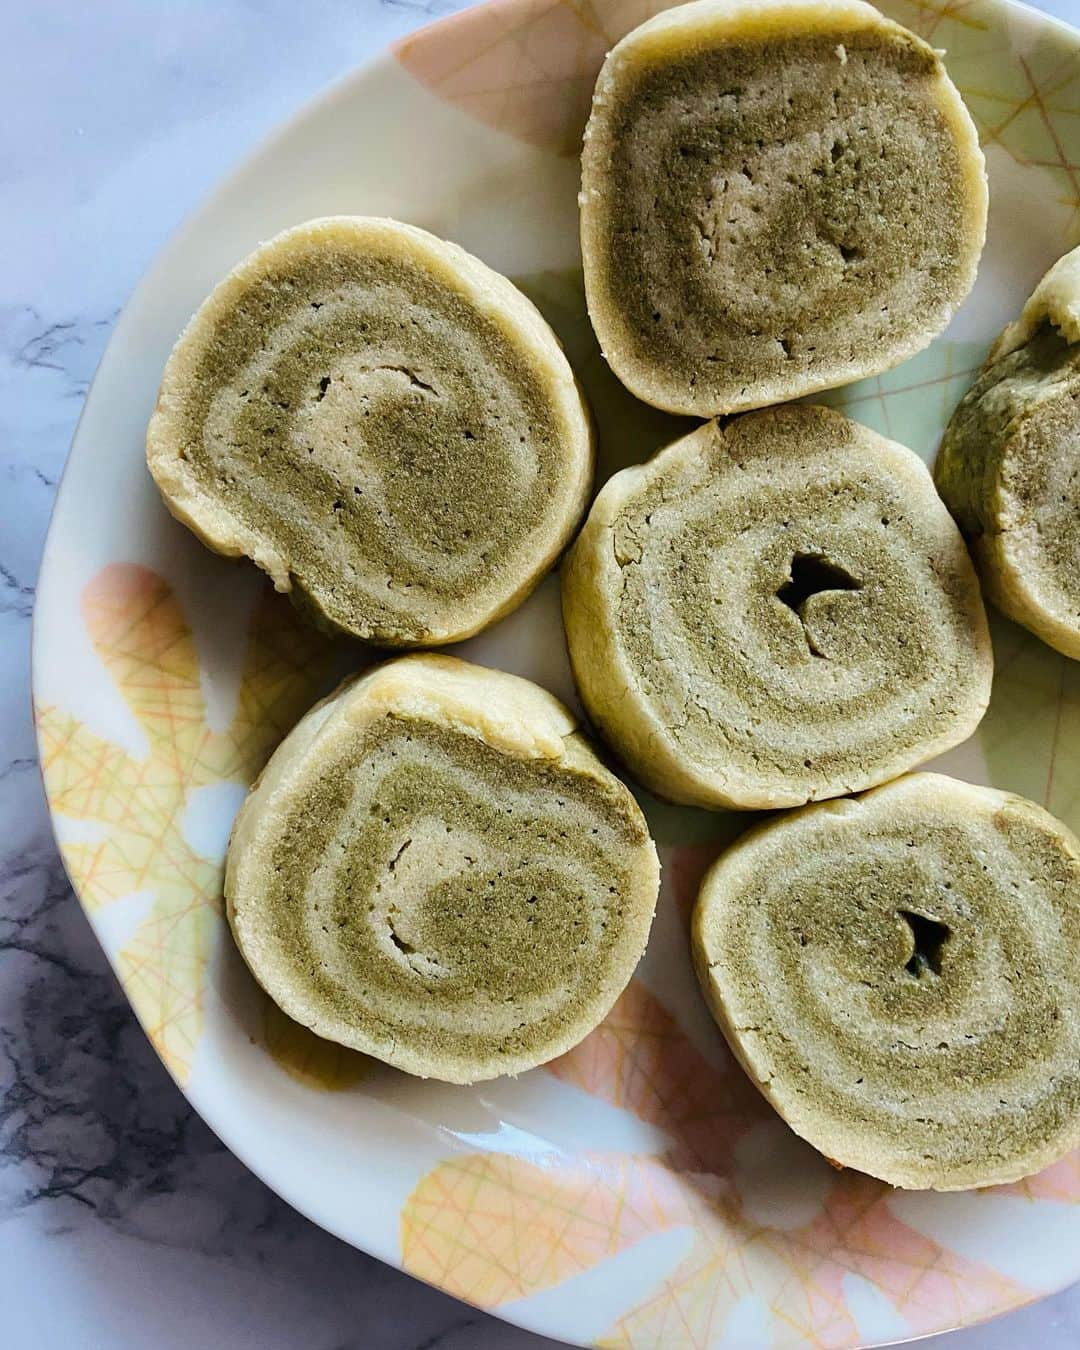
pixel 635 1192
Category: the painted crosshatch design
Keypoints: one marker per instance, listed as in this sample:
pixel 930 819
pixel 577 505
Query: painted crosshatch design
pixel 759 1240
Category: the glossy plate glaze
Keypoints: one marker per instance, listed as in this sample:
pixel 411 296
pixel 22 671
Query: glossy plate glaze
pixel 637 1191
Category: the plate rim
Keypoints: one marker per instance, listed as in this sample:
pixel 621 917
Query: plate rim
pixel 159 265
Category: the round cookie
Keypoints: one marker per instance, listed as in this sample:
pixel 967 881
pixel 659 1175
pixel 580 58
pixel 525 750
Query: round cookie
pixel 899 974
pixel 778 196
pixel 382 423
pixel 435 868
pixel 775 610
pixel 1009 465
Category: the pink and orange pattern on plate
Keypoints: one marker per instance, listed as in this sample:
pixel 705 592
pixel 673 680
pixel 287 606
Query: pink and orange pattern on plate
pixel 497 1228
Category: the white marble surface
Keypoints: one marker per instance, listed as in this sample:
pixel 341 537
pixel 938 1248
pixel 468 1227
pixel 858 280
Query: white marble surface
pixel 124 1223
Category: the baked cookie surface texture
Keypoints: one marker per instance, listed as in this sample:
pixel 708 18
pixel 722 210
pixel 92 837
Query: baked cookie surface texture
pixel 1009 465
pixel 900 976
pixel 775 610
pixel 382 423
pixel 777 197
pixel 436 869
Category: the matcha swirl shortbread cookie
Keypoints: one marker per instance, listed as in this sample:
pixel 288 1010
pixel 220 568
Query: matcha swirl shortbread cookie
pixel 384 424
pixel 436 869
pixel 900 976
pixel 775 610
pixel 1009 467
pixel 778 196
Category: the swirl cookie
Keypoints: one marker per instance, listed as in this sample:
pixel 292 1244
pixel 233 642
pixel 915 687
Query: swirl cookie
pixel 778 196
pixel 775 610
pixel 1009 466
pixel 435 868
pixel 900 976
pixel 382 423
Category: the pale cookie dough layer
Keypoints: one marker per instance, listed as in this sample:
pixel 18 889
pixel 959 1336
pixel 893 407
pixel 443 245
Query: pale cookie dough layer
pixel 384 424
pixel 1009 466
pixel 777 197
pixel 775 610
pixel 436 869
pixel 900 976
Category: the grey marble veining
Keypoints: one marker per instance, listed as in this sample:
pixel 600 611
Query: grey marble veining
pixel 123 1222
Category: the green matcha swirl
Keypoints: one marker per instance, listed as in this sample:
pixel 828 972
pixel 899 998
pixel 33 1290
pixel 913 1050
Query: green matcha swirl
pixel 1007 468
pixel 776 198
pixel 900 975
pixel 442 874
pixel 384 424
pixel 775 610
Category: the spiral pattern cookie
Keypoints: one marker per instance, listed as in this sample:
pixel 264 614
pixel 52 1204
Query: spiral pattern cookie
pixel 900 976
pixel 775 610
pixel 778 196
pixel 382 423
pixel 436 869
pixel 1009 466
